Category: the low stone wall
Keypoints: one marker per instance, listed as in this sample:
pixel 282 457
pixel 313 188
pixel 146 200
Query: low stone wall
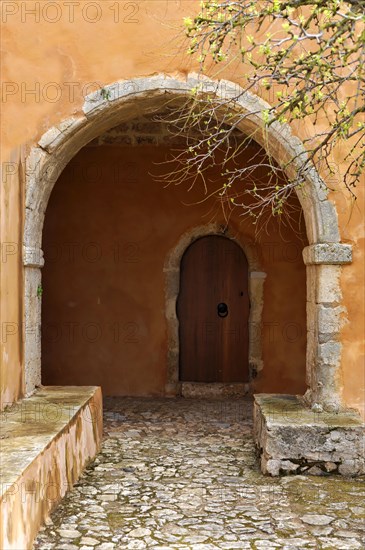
pixel 293 439
pixel 47 440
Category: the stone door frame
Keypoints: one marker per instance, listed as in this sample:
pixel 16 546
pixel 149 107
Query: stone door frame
pixel 256 279
pixel 125 100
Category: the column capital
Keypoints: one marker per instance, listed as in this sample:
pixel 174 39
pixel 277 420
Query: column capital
pixel 327 253
pixel 33 257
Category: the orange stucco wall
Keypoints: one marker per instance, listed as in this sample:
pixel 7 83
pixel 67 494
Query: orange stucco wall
pixel 50 61
pixel 109 229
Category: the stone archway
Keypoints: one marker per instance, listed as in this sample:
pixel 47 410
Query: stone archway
pixel 124 100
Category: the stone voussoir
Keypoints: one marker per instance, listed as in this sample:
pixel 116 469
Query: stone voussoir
pixel 51 140
pixel 99 100
pixel 329 232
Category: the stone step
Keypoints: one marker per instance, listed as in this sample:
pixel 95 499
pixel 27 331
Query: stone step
pixel 46 442
pixel 213 390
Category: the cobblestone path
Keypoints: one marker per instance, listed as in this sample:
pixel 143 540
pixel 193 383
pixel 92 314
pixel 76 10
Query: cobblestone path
pixel 182 474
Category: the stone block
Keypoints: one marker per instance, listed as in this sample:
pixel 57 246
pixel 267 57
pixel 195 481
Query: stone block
pixel 99 100
pixel 324 315
pixel 312 316
pixel 200 390
pixel 228 90
pixel 329 353
pixel 33 371
pixel 172 284
pixel 293 439
pixel 32 345
pixel 170 308
pixel 159 84
pixel 311 283
pixel 258 275
pixel 33 257
pixel 329 320
pixel 328 229
pixel 328 289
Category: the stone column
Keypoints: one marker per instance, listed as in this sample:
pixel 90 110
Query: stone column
pixel 33 262
pixel 325 316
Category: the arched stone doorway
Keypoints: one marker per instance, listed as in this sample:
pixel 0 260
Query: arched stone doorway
pixel 123 100
pixel 255 288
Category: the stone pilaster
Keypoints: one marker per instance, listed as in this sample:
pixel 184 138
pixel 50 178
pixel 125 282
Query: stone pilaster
pixel 33 262
pixel 325 317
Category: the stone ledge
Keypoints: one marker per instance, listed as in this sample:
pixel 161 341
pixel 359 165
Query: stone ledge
pixel 293 439
pixel 46 441
pixel 216 390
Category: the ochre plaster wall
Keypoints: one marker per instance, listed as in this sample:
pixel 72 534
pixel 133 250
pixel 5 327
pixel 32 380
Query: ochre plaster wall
pixel 353 290
pixel 11 284
pixel 50 61
pixel 108 231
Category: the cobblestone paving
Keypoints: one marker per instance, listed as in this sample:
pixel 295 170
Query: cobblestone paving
pixel 180 474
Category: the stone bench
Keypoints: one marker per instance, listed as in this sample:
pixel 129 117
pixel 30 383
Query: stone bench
pixel 46 442
pixel 293 439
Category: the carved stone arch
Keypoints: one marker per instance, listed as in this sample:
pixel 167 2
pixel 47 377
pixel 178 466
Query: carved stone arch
pixel 125 100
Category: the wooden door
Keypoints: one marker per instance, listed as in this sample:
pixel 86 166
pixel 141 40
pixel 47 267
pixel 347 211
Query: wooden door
pixel 213 309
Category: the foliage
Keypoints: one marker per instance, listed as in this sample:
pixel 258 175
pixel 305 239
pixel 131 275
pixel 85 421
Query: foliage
pixel 309 56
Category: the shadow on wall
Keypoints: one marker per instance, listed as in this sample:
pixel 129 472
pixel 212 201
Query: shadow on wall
pixel 108 230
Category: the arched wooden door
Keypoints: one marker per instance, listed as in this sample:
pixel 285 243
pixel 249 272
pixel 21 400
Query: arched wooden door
pixel 213 310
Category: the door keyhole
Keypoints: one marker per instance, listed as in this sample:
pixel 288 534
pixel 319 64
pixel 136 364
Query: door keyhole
pixel 222 309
